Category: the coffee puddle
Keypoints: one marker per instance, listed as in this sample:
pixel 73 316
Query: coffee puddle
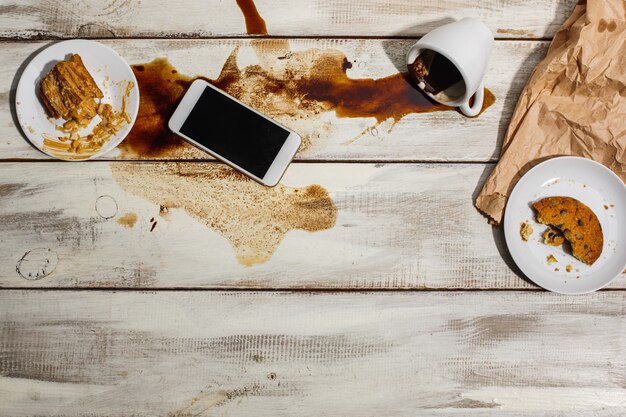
pixel 295 88
pixel 160 89
pixel 255 25
pixel 253 218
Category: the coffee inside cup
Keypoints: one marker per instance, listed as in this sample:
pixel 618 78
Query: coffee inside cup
pixel 438 76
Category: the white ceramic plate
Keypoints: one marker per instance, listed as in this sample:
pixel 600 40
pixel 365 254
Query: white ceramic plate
pixel 594 185
pixel 109 71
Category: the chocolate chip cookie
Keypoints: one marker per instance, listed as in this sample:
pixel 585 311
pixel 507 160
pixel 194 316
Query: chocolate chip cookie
pixel 577 222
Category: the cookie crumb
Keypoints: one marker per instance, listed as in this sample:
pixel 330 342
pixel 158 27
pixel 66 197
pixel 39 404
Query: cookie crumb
pixel 551 259
pixel 606 207
pixel 568 268
pixel 525 230
pixel 553 237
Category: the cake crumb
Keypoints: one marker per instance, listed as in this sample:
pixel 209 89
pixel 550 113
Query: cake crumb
pixel 568 268
pixel 556 269
pixel 606 207
pixel 551 259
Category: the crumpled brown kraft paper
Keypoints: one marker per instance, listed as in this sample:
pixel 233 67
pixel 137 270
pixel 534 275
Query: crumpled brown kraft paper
pixel 573 104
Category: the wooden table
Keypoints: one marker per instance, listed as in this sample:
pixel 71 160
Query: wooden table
pixel 365 285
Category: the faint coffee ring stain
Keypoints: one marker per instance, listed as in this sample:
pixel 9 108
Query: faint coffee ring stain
pixel 106 206
pixel 37 263
pixel 95 30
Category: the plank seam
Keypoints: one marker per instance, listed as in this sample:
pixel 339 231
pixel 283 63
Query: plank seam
pixel 296 161
pixel 34 39
pixel 289 290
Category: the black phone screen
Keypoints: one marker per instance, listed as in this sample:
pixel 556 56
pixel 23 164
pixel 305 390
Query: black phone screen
pixel 234 132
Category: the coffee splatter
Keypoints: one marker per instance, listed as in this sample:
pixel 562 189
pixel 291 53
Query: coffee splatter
pixel 517 32
pixel 295 88
pixel 255 25
pixel 253 218
pixel 128 220
pixel 164 211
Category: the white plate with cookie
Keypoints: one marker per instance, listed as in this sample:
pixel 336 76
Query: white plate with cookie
pixel 554 266
pixel 96 134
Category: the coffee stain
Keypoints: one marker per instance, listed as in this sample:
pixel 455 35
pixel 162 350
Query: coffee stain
pixel 37 263
pixel 518 32
pixel 160 88
pixel 95 30
pixel 255 24
pixel 608 26
pixel 612 26
pixel 294 88
pixel 106 206
pixel 253 218
pixel 164 211
pixel 128 220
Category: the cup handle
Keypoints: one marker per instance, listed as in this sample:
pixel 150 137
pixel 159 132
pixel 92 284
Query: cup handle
pixel 479 97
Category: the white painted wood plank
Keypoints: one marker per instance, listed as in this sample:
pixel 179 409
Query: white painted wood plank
pixel 440 136
pixel 212 18
pixel 368 226
pixel 292 354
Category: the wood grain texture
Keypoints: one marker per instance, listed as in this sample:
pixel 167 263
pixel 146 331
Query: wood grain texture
pixel 294 354
pixel 363 226
pixel 213 18
pixel 395 226
pixel 442 136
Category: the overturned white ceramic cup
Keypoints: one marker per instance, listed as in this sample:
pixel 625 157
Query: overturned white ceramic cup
pixel 467 45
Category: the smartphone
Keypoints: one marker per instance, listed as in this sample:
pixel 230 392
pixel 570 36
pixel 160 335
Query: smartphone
pixel 234 133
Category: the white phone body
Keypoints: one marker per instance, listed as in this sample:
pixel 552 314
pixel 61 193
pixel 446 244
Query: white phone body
pixel 282 158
